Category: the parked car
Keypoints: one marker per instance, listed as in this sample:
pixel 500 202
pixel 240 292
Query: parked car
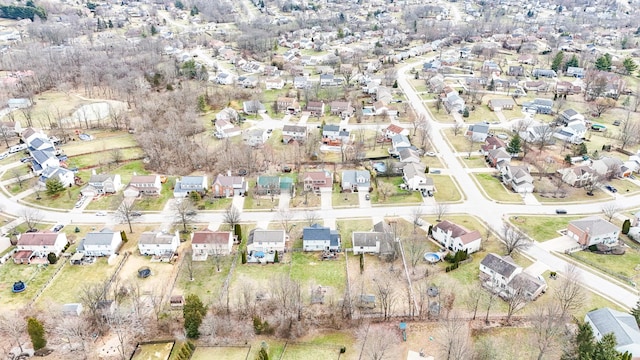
pixel 242 172
pixel 616 122
pixel 4 155
pixel 286 169
pixel 430 153
pixel 191 213
pixel 57 228
pixel 26 159
pixel 434 171
pixel 367 197
pixel 135 213
pixel 611 188
pixel 561 211
pixel 101 213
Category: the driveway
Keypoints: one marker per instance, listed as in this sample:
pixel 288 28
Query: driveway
pixel 559 244
pixel 285 199
pixel 304 118
pixel 326 200
pixel 364 203
pixel 238 202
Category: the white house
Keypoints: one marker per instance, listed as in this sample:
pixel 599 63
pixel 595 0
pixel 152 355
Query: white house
pixel 478 132
pixel 158 243
pixel 99 184
pixel 356 180
pixel 207 242
pixel 188 184
pixel 517 178
pixel 38 244
pixel 503 276
pixel 456 238
pixel 415 178
pixel 228 114
pixel 621 324
pixel 226 129
pixel 255 137
pixel 266 240
pixel 143 185
pixel 66 176
pixel 378 241
pixel 319 238
pixel 274 84
pixel 593 230
pixel 105 242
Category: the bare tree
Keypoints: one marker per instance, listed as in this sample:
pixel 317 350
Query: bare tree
pixel 311 217
pixel 547 325
pixel 629 133
pixel 415 247
pixel 386 296
pixel 516 297
pixel 286 292
pixel 76 332
pixel 18 176
pixel 441 209
pixel 31 216
pixel 416 217
pixel 454 339
pixel 472 299
pixel 124 210
pixel 593 183
pixel 513 239
pixel 569 295
pixel 286 216
pixel 456 128
pixel 184 213
pixel 91 295
pixel 385 190
pixel 231 216
pixel 126 327
pixel 13 327
pixel 602 105
pixel 377 342
pixel 609 210
pixel 188 263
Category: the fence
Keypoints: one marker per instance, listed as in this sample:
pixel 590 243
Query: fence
pixel 43 287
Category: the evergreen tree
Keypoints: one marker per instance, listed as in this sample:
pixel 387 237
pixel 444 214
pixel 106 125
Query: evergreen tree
pixel 193 312
pixel 625 226
pixel 262 354
pixel 556 64
pixel 123 235
pixel 202 103
pixel 573 62
pixel 515 145
pixel 244 257
pixel 54 186
pixel 52 258
pixel 361 263
pixel 36 333
pixel 179 5
pixel 630 66
pixel 194 11
pixel 275 258
pixel 110 24
pixel 636 312
pixel 465 113
pixel 154 31
pixel 605 349
pixel 604 62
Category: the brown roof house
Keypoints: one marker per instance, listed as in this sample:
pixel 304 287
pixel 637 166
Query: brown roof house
pixel 38 244
pixel 143 185
pixel 207 242
pixel 456 238
pixel 592 231
pixel 288 105
pixel 320 180
pixel 228 185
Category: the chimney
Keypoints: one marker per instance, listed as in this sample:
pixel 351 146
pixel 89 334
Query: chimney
pixel 228 172
pixel 93 171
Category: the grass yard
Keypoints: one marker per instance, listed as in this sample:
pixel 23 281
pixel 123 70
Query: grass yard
pixel 35 276
pixel 625 265
pixel 397 196
pixel 446 188
pixel 214 203
pixel 439 116
pixel 104 141
pixel 105 202
pixel 261 202
pixel 16 188
pixel 311 270
pixel 542 228
pixel 510 343
pixel 105 157
pixel 305 200
pixel 207 281
pixel 64 200
pixel 347 227
pixel 221 353
pixel 155 203
pixel 15 172
pixel 67 289
pixel 495 190
pixel 52 102
pixel 460 143
pixel 159 351
pixel 473 161
pixel 625 187
pixel 346 199
pixel 311 351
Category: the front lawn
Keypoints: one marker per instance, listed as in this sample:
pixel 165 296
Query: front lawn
pixel 397 195
pixel 460 142
pixel 346 199
pixel 347 227
pixel 625 266
pixel 157 202
pixel 446 189
pixel 495 190
pixel 16 188
pixel 63 200
pixel 475 161
pixel 305 200
pixel 542 228
pixel 262 202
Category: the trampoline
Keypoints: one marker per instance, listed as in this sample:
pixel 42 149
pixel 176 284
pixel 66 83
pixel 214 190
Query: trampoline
pixel 144 272
pixel 19 287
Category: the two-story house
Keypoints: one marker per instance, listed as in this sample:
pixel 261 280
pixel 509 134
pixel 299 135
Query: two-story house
pixel 320 238
pixel 478 132
pixel 341 108
pixel 255 137
pixel 315 108
pixel 356 180
pixel 266 240
pixel 188 184
pixel 143 185
pixel 378 241
pixel 621 324
pixel 105 242
pixel 154 243
pixel 579 176
pixel 64 175
pixel 206 242
pixel 393 130
pixel 593 230
pixel 38 244
pixel 288 105
pixel 100 184
pixel 321 180
pixel 296 133
pixel 501 275
pixel 517 178
pixel 456 238
pixel 415 178
pixel 228 185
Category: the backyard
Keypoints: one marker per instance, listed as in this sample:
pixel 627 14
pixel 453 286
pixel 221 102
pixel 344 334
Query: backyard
pixel 33 275
pixel 157 351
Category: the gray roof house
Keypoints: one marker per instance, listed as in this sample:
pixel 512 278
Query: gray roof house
pixel 538 106
pixel 502 276
pixel 253 107
pixel 189 184
pixel 478 132
pixel 266 240
pixel 320 238
pixel 378 241
pixel 622 325
pixel 105 242
pixel 158 243
pixel 355 180
pixel 102 184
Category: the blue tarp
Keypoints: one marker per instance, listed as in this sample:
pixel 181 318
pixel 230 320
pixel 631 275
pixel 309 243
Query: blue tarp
pixel 259 254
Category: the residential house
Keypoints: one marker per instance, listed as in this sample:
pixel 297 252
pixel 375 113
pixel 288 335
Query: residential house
pixel 105 242
pixel 478 132
pixel 320 238
pixel 394 130
pixel 579 176
pixel 576 72
pixel 65 176
pixel 517 178
pixel 517 70
pixel 143 185
pixel 536 85
pixel 573 133
pixel 301 82
pixel 315 108
pixel 248 82
pixel 548 73
pixel 501 104
pixel 274 84
pixel 455 237
pixel 355 180
pixel 227 186
pixel 255 137
pixel 377 241
pixel 273 185
pixel 188 184
pixel 320 180
pixel 621 324
pixel 224 78
pixel 489 66
pixel 567 88
pixel 491 143
pixel 10 128
pixel 226 129
pixel 42 159
pixel 266 240
pixel 498 157
pixel 288 105
pixel 453 102
pixel 331 132
pixel 593 230
pixel 207 242
pixel 535 134
pixel 227 114
pixel 327 80
pixel 415 178
pixel 608 167
pixel 253 107
pixel 400 142
pixel 297 133
pixel 503 276
pixel 538 106
pixel 38 244
pixel 158 243
pixel 409 155
pixel 341 108
pixel 570 115
pixel 71 309
pixel 100 184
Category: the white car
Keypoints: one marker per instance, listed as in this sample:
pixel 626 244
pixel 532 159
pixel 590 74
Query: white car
pixel 101 213
pixel 4 155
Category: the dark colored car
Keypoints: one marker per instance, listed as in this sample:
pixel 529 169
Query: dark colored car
pixel 611 188
pixel 242 172
pixel 286 169
pixel 32 230
pixel 561 211
pixel 135 213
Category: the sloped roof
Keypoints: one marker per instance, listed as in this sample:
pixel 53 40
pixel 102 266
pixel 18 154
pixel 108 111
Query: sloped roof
pixel 261 235
pixel 38 238
pixel 155 238
pixel 98 238
pixel 622 325
pixel 456 230
pixel 500 265
pixel 594 225
pixel 211 237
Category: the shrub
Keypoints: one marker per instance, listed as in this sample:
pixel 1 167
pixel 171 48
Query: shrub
pixel 244 257
pixel 625 226
pixel 36 333
pixel 52 258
